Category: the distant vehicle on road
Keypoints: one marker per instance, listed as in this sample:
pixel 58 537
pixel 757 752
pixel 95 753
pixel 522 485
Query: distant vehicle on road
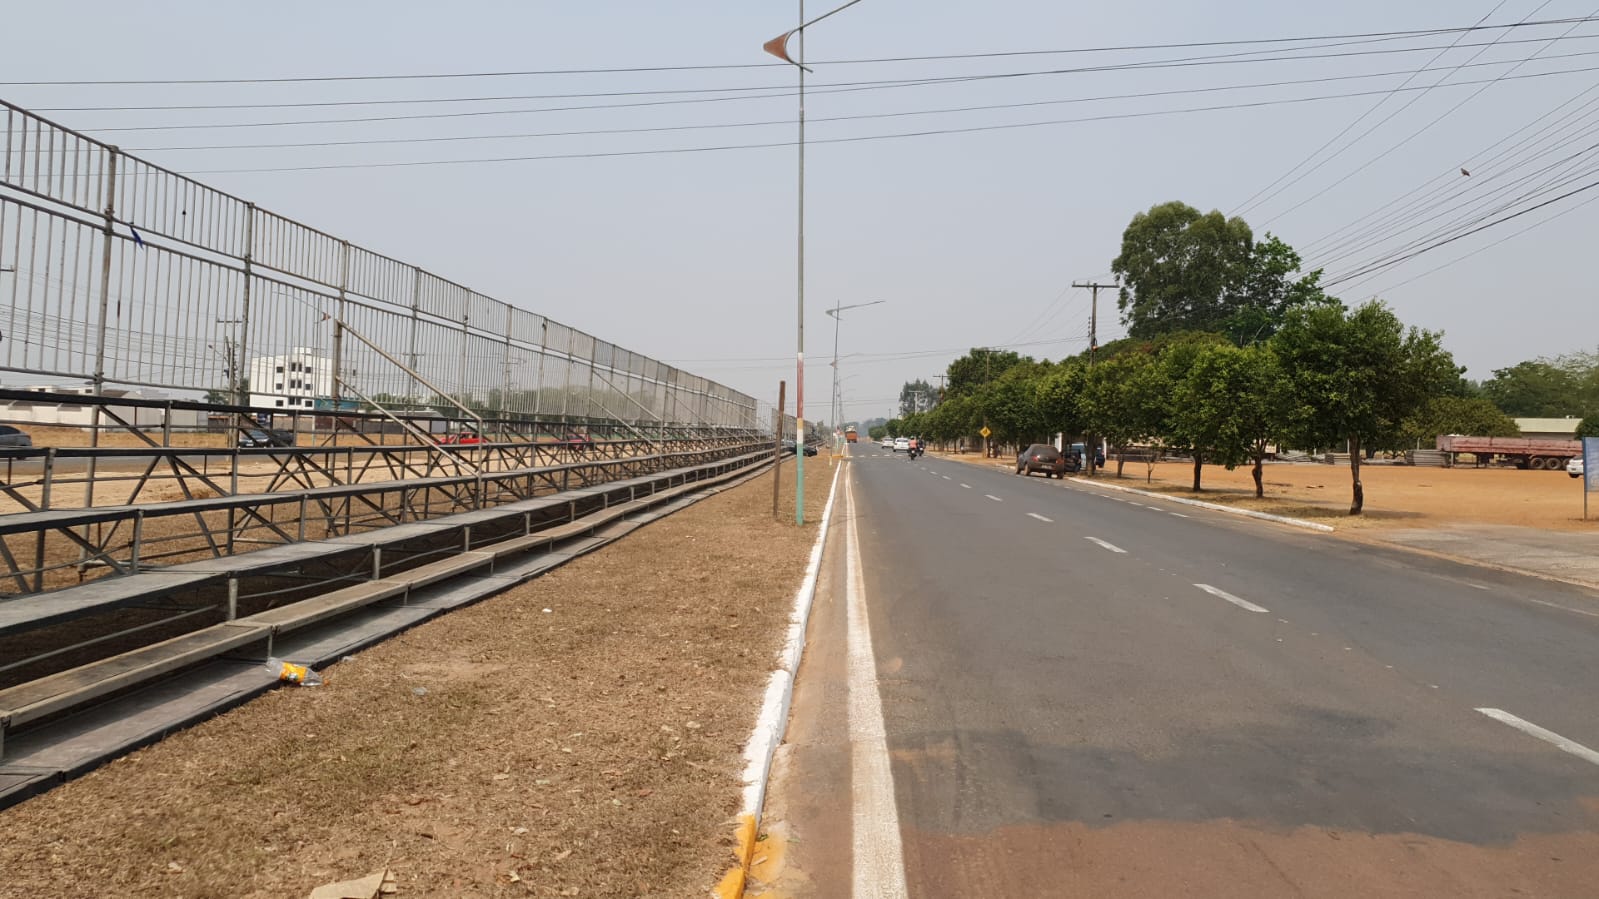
pixel 464 438
pixel 1574 467
pixel 888 444
pixel 10 436
pixel 850 436
pixel 1047 459
pixel 259 437
pixel 902 444
pixel 1523 452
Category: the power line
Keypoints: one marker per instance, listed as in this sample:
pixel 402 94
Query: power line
pixel 1389 263
pixel 837 88
pixel 1413 135
pixel 301 79
pixel 865 116
pixel 843 140
pixel 1278 186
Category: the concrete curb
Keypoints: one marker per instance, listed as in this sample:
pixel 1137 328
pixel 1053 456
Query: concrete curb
pixel 1217 507
pixel 769 725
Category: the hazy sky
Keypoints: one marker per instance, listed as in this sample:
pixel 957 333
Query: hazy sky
pixel 971 238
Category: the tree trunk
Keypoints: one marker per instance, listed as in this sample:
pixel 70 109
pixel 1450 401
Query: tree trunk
pixel 1121 462
pixel 1359 501
pixel 1260 488
pixel 1199 462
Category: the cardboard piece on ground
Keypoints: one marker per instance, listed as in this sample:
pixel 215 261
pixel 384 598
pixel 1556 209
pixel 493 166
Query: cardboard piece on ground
pixel 371 886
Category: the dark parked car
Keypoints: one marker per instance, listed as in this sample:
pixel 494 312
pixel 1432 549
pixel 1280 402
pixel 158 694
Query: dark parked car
pixel 256 437
pixel 1047 459
pixel 788 444
pixel 10 436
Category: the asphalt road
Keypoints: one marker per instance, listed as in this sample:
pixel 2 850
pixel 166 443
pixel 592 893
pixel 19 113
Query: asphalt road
pixel 1090 693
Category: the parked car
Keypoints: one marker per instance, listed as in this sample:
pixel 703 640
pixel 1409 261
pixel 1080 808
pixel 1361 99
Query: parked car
pixel 902 444
pixel 10 436
pixel 259 437
pixel 1574 467
pixel 1047 459
pixel 788 444
pixel 463 438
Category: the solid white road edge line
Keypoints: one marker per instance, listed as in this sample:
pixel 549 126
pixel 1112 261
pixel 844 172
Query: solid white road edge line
pixel 879 862
pixel 1548 736
pixel 1217 507
pixel 773 719
pixel 1244 604
pixel 1040 517
pixel 1110 546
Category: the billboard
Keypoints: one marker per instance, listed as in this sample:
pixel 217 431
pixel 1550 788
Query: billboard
pixel 1590 464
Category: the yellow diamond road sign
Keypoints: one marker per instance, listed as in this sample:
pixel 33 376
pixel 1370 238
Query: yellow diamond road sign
pixel 985 431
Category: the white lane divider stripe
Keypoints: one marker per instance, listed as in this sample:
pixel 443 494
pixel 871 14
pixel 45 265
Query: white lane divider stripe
pixel 1040 517
pixel 1110 546
pixel 946 477
pixel 879 863
pixel 993 497
pixel 1244 604
pixel 1548 736
pixel 966 486
pixel 1179 515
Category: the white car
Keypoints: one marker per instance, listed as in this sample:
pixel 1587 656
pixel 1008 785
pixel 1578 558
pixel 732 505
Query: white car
pixel 902 444
pixel 888 443
pixel 1574 467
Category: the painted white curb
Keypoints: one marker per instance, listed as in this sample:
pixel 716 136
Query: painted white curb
pixel 769 725
pixel 1217 507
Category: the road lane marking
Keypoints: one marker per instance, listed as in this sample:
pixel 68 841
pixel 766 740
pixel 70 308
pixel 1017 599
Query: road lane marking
pixel 1040 517
pixel 1548 736
pixel 1110 546
pixel 993 497
pixel 1179 515
pixel 1244 604
pixel 879 863
pixel 946 477
pixel 966 486
pixel 1153 509
pixel 1131 503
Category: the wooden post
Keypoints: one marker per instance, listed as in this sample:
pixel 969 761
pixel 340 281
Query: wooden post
pixel 777 443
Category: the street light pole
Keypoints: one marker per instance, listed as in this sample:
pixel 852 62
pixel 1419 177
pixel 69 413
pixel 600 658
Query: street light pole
pixel 778 47
pixel 838 409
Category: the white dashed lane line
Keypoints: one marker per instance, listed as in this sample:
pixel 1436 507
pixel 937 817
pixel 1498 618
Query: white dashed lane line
pixel 1244 604
pixel 1040 517
pixel 1548 736
pixel 993 497
pixel 966 486
pixel 1110 546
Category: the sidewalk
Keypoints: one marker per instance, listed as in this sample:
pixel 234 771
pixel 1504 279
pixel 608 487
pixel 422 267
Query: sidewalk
pixel 1563 556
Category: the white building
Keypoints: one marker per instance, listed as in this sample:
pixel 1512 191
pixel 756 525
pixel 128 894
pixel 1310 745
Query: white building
pixel 294 380
pixel 47 411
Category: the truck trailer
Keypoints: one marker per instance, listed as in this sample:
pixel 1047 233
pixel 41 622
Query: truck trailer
pixel 1522 452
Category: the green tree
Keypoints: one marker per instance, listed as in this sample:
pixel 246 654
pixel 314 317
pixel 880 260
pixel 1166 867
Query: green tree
pixel 1059 397
pixel 1534 389
pixel 1475 416
pixel 1011 407
pixel 895 427
pixel 980 366
pixel 1265 289
pixel 1588 427
pixel 1122 402
pixel 1235 400
pixel 1178 267
pixel 877 432
pixel 1357 375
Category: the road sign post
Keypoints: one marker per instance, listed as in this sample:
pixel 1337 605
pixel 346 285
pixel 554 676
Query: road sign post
pixel 1590 471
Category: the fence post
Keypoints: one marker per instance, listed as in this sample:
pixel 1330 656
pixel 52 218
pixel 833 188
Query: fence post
pixel 338 338
pixel 242 397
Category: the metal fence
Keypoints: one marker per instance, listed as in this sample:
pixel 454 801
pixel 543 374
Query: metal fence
pixel 127 274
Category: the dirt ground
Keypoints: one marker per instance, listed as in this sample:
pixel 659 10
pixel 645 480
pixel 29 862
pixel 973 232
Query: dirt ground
pixel 1397 496
pixel 577 736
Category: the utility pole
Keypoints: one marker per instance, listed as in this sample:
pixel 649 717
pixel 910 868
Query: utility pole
pixel 1090 449
pixel 1093 315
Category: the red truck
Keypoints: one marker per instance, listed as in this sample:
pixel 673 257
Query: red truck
pixel 1523 452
